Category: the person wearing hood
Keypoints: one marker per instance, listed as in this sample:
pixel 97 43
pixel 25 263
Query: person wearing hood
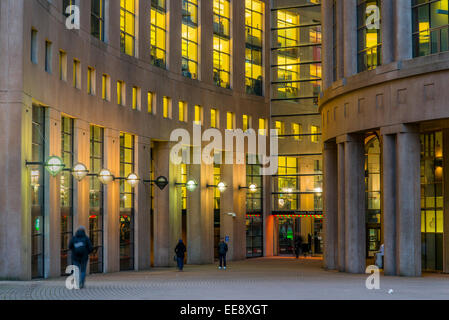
pixel 80 247
pixel 180 251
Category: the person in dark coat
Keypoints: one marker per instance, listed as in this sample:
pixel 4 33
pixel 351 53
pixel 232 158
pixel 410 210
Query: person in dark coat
pixel 309 240
pixel 80 247
pixel 298 244
pixel 180 251
pixel 222 251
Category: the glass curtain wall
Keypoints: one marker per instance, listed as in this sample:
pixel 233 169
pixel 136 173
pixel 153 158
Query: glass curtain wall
pixel 432 206
pixel 254 21
pixel 127 165
pixel 254 212
pixel 66 190
pixel 158 49
pixel 128 27
pixel 37 193
pixel 96 199
pixel 190 22
pixel 430 27
pixel 222 43
pixel 295 85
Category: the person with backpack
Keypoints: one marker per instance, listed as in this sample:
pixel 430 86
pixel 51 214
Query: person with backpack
pixel 80 246
pixel 222 251
pixel 298 246
pixel 180 251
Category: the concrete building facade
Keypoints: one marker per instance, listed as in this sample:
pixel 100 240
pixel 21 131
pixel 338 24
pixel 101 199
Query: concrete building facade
pixel 385 132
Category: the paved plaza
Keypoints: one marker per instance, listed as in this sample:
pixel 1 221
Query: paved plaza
pixel 256 279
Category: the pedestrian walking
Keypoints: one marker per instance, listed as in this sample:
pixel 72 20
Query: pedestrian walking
pixel 298 244
pixel 80 247
pixel 309 240
pixel 222 251
pixel 180 251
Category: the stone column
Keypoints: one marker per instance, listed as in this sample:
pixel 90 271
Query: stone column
pixel 174 22
pixel 389 202
pixel 408 206
pixel 112 202
pixel 327 45
pixel 341 206
pixel 238 50
pixel 142 223
pixel 355 204
pixel 206 46
pixel 387 30
pixel 167 216
pixel 330 160
pixel 200 216
pixel 350 37
pixel 403 29
pixel 446 201
pixel 340 40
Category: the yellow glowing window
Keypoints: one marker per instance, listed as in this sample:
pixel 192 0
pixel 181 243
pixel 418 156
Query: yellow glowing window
pixel 280 127
pixel 182 111
pixel 76 74
pixel 214 118
pixel 297 131
pixel 166 112
pixel 262 127
pixel 198 115
pixel 315 131
pixel 150 101
pixel 369 38
pixel 136 98
pixel 287 183
pixel 222 43
pixel 158 48
pixel 105 87
pixel 189 36
pixel 254 16
pixel 90 80
pixel 120 93
pixel 246 124
pixel 184 188
pixel 128 26
pixel 230 119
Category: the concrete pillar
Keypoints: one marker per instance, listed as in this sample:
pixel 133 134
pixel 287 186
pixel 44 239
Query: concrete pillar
pixel 269 223
pixel 446 201
pixel 387 30
pixel 350 37
pixel 330 166
pixel 233 201
pixel 389 202
pixel 341 207
pixel 168 214
pixel 112 202
pixel 200 216
pixel 408 205
pixel 174 21
pixel 340 38
pixel 143 205
pixel 206 44
pixel 238 50
pixel 327 45
pixel 403 29
pixel 355 204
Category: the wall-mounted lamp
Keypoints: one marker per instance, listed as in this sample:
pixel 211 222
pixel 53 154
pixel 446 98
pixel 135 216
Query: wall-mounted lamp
pixel 191 185
pixel 221 186
pixel 161 182
pixel 105 176
pixel 79 171
pixel 252 188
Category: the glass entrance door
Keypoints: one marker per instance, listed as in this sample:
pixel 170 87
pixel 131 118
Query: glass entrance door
pixel 289 229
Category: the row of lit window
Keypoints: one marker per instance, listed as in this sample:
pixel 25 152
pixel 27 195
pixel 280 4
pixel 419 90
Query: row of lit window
pixel 254 17
pixel 297 131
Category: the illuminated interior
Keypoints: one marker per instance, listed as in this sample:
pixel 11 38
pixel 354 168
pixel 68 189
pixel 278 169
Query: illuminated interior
pixel 190 38
pixel 369 38
pixel 254 18
pixel 222 43
pixel 128 26
pixel 158 49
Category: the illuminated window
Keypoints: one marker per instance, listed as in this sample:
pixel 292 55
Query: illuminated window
pixel 105 87
pixel 246 120
pixel 222 43
pixel 136 98
pixel 97 19
pixel 128 27
pixel 254 16
pixel 121 93
pixel 62 65
pixel 280 127
pixel 190 38
pixel 151 100
pixel 262 127
pixel 158 49
pixel 91 80
pixel 183 111
pixel 184 188
pixel 198 115
pixel 430 27
pixel 297 131
pixel 166 104
pixel 315 134
pixel 76 74
pixel 214 118
pixel 287 199
pixel 230 121
pixel 368 42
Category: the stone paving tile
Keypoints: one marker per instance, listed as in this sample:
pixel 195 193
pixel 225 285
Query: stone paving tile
pixel 255 279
